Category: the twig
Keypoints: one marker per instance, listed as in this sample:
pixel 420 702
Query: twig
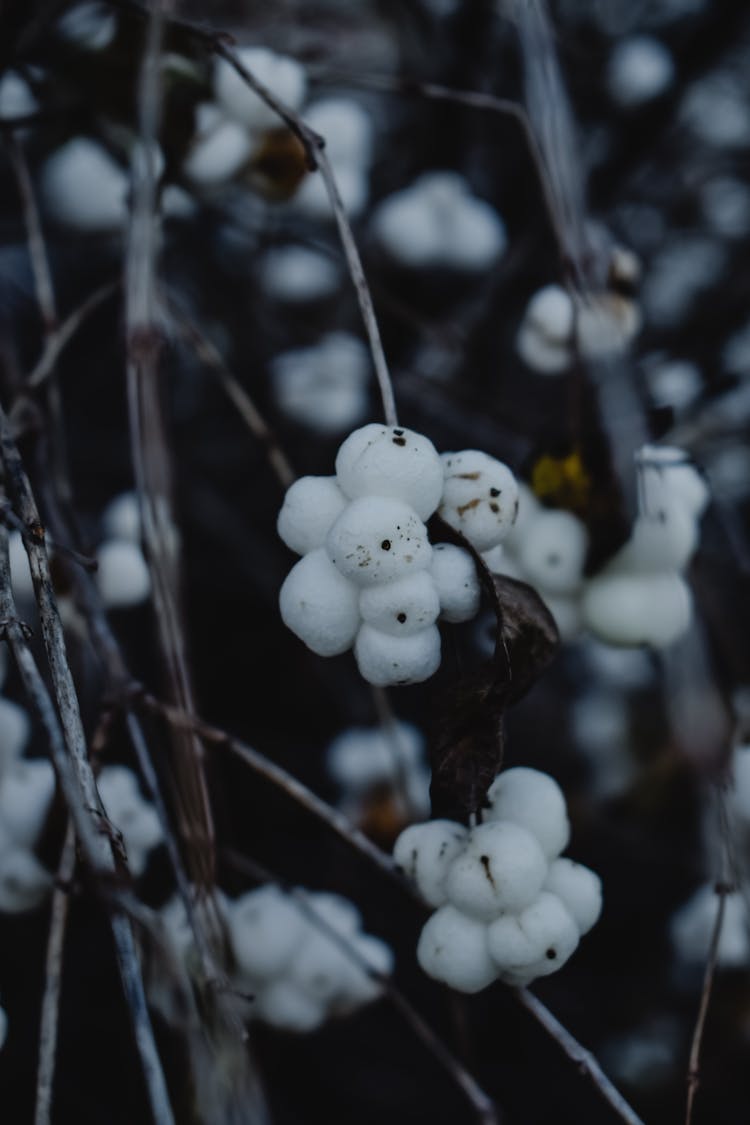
pixel 283 780
pixel 68 747
pixel 150 455
pixel 471 99
pixel 583 1059
pixel 724 886
pixel 53 981
pixel 40 269
pixel 314 146
pixel 256 423
pixel 58 340
pixel 478 1099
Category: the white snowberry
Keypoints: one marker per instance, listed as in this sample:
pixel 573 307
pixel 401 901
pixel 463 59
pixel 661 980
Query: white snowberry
pixel 122 518
pixel 84 187
pixel 553 552
pixel 502 868
pixel 579 889
pixel 644 609
pixel 377 539
pixel 283 1004
pixel 393 462
pixel 533 943
pixel 545 336
pixel 361 757
pixel 323 387
pixel 666 475
pixel 424 852
pixel 23 880
pixel 383 659
pixel 282 76
pixel 693 923
pixel 122 574
pixel 452 948
pixel 659 542
pixel 311 506
pixel 535 801
pixel 298 274
pixel 437 222
pixel 26 793
pixel 218 153
pixel 319 605
pixel 480 497
pixel 402 607
pixel 134 817
pixel 455 576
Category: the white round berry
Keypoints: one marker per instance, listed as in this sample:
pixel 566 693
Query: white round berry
pixel 639 69
pixel 550 313
pixel 535 801
pixel 642 609
pixel 16 98
pixel 313 200
pixel 383 659
pixel 319 967
pixel 298 274
pixel 319 605
pixel 26 793
pixel 579 889
pixel 347 129
pixel 378 540
pixel 23 880
pixel 534 943
pixel 122 518
pixel 282 76
pixel 131 815
pixel 265 929
pixel 391 461
pixel 501 868
pixel 606 324
pixel 455 576
pixel 692 926
pixel 452 948
pixel 218 154
pixel 84 187
pixel 553 552
pixel 546 357
pixel 480 497
pixel 659 542
pixel 424 852
pixel 284 1005
pixel 324 387
pixel 361 757
pixel 336 911
pixel 666 475
pixel 122 574
pixel 311 506
pixel 402 607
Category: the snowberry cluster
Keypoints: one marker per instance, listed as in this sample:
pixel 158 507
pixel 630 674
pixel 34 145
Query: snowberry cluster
pixel 293 956
pixel 547 549
pixel 641 596
pixel 554 328
pixel 437 222
pixel 369 576
pixel 508 906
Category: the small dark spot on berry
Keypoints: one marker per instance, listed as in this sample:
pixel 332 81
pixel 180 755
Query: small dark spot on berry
pixel 401 618
pixel 553 559
pixel 551 954
pixel 386 545
pixel 399 441
pixel 494 508
pixel 494 492
pixel 399 433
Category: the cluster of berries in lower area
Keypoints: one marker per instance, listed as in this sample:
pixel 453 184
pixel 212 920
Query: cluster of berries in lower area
pixel 301 956
pixel 507 906
pixel 369 576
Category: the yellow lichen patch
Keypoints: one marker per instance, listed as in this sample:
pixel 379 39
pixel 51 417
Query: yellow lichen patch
pixel 562 481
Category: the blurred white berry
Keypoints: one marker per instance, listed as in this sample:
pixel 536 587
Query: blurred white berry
pixel 452 948
pixel 533 800
pixel 319 605
pixel 383 659
pixel 311 506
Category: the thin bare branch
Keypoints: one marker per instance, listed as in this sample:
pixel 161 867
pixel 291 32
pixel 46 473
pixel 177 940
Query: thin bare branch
pixel 59 339
pixel 151 460
pixel 53 981
pixel 236 393
pixel 482 1104
pixel 315 148
pixel 585 1062
pixel 40 267
pixel 68 748
pixel 283 780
